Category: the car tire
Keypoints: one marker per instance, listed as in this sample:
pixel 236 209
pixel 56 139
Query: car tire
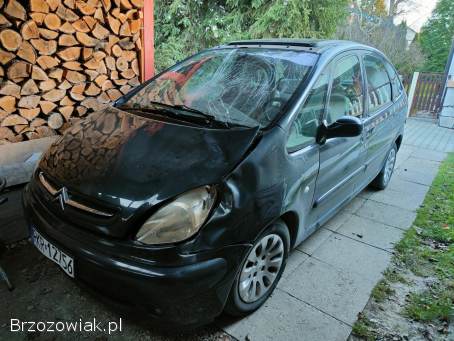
pixel 262 267
pixel 383 178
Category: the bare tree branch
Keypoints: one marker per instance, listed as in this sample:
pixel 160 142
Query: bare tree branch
pixel 399 7
pixel 388 38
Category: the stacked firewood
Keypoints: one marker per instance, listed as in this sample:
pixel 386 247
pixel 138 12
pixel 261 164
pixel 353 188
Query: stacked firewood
pixel 62 59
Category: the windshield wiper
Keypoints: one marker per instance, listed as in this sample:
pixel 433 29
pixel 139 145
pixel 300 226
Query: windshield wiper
pixel 198 112
pixel 177 109
pixel 183 107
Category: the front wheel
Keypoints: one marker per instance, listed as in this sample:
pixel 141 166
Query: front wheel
pixel 383 178
pixel 260 271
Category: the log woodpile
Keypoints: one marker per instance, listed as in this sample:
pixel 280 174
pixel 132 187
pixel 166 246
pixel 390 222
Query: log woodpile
pixel 62 59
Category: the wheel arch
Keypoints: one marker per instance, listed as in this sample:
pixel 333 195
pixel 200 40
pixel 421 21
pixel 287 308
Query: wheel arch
pixel 291 219
pixel 399 141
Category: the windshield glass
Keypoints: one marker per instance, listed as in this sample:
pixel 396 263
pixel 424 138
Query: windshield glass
pixel 240 86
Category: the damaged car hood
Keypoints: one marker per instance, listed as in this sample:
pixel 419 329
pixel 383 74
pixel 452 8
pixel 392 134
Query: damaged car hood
pixel 122 158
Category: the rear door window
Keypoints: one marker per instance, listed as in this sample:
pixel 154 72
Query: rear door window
pixel 346 97
pixel 396 85
pixel 378 83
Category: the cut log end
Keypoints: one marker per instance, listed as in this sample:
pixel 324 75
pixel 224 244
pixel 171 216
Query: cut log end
pixel 62 59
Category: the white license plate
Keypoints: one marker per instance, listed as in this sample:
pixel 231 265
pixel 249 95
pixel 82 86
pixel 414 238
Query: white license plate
pixel 53 253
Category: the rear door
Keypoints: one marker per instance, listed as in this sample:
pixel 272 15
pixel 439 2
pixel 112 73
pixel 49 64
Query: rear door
pixel 341 159
pixel 378 127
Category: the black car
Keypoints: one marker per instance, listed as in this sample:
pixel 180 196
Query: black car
pixel 185 198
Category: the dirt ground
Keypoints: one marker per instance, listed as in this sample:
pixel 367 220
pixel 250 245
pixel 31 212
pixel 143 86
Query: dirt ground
pixel 44 293
pixel 387 321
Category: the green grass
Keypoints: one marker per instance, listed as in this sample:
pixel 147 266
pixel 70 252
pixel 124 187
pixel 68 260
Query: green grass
pixel 393 276
pixel 364 328
pixel 433 304
pixel 427 249
pixel 381 291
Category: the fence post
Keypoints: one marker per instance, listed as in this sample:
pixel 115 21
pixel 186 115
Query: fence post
pixel 446 114
pixel 411 92
pixel 148 40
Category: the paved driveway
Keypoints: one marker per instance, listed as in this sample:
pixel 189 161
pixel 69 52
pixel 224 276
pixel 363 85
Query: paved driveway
pixel 330 276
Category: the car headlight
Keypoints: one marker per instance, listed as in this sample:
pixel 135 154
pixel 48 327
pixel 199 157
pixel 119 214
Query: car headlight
pixel 180 219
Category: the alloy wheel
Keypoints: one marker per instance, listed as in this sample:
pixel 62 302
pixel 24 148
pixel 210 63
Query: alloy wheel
pixel 261 268
pixel 389 166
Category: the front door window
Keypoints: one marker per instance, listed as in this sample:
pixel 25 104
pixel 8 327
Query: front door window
pixel 304 128
pixel 346 95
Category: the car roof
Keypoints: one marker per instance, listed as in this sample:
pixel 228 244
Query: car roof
pixel 313 45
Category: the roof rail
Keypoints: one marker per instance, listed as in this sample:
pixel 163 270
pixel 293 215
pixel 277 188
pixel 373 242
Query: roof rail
pixel 301 43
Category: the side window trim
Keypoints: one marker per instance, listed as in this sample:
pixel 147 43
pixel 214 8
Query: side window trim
pixel 389 67
pixel 364 85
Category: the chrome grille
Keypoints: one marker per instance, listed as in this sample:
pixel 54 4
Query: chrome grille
pixel 67 200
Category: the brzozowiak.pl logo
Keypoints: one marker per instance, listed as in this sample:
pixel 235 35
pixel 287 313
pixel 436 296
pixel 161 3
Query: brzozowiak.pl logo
pixel 89 326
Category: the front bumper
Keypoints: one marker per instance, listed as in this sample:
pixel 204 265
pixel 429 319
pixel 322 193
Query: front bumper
pixel 190 291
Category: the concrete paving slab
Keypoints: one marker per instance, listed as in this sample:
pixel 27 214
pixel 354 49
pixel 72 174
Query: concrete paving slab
pixel 428 154
pixel 408 201
pixel 337 220
pixel 354 205
pixel 403 154
pixel 366 193
pixel 371 232
pixel 353 256
pixel 400 185
pixel 295 259
pixel 400 162
pixel 322 234
pixel 314 241
pixel 419 165
pixel 284 317
pixel 339 293
pixel 387 214
pixel 423 178
pixel 407 148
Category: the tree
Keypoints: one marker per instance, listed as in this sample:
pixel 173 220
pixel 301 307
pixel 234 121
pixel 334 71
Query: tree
pixel 186 26
pixel 380 8
pixel 436 36
pixel 388 38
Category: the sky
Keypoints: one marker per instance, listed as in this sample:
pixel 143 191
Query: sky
pixel 417 13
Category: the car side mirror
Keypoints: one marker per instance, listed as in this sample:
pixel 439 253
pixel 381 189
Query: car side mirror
pixel 346 126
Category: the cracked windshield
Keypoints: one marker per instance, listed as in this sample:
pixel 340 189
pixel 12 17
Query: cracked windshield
pixel 239 86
